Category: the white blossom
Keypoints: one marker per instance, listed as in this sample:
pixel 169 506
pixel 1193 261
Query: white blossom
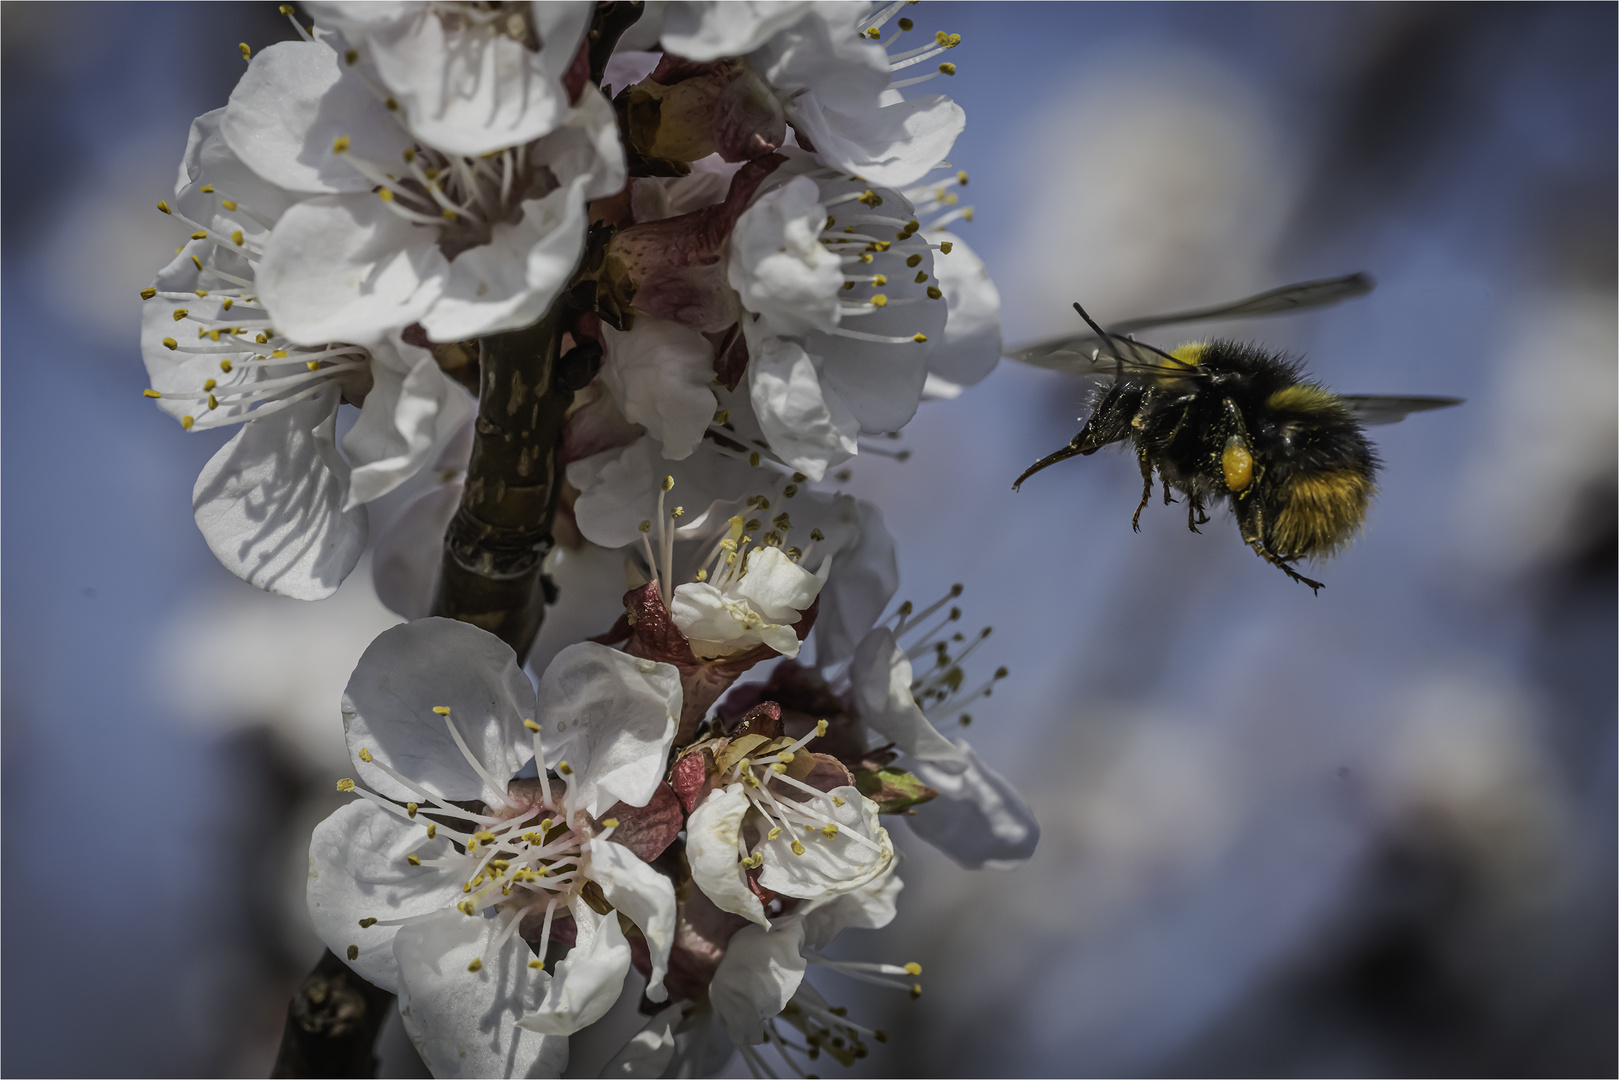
pixel 469 79
pixel 278 504
pixel 425 897
pixel 394 231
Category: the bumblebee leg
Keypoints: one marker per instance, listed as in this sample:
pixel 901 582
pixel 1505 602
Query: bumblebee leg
pixel 1252 526
pixel 1146 489
pixel 1168 498
pixel 1194 513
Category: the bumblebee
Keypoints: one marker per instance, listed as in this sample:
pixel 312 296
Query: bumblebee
pixel 1221 420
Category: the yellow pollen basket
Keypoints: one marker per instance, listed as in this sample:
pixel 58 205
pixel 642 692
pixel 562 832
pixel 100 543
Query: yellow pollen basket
pixel 1237 464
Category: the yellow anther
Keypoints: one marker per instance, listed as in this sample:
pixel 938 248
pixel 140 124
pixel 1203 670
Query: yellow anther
pixel 880 245
pixel 753 459
pixel 531 725
pixel 914 261
pixel 180 313
pixel 837 800
pixel 351 56
pixel 921 276
pixel 208 189
pixel 312 365
pixel 442 710
pixel 170 344
pixel 147 294
pixel 447 213
pixel 213 402
pixel 410 154
pixel 150 393
pixel 906 24
pixel 367 923
pixel 873 33
pixel 879 300
pixel 879 280
pixel 778 767
pixel 820 728
pixel 414 860
pixel 228 303
pixel 919 338
pixel 465 907
pixel 944 248
pixel 385 195
pixel 865 256
pixel 163 205
pixel 236 237
pixel 485 835
pixel 967 214
pixel 668 483
pixel 610 823
pixel 798 849
pixel 535 964
pixel 472 845
pixel 934 293
pixel 785 755
pixel 262 339
pixel 354 950
pixel 340 144
pixel 196 262
pixel 773 833
pixel 941 38
pixel 344 784
pixel 913 969
pixel 393 106
pixel 947 69
pixel 564 769
pixel 365 755
pixel 432 830
pixel 829 830
pixel 646 525
pixel 466 886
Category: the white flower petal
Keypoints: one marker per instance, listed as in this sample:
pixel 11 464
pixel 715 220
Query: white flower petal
pixel 830 864
pixel 510 281
pixel 892 145
pixel 650 1050
pixel 619 489
pixel 343 268
pixel 662 374
pixel 587 981
pixel 870 907
pixel 807 423
pixel 645 896
pixel 210 162
pixel 711 851
pixel 465 1023
pixel 270 503
pixel 970 346
pixel 707 31
pixel 406 418
pixel 410 670
pixel 357 870
pixel 880 680
pixel 864 578
pixel 778 264
pixel 611 716
pixel 469 88
pixel 759 974
pixel 405 566
pixel 776 587
pixel 293 102
pixel 979 819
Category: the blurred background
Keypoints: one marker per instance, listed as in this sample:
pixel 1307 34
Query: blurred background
pixel 1370 832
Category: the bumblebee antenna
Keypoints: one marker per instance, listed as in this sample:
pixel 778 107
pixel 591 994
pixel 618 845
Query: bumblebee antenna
pixel 1108 340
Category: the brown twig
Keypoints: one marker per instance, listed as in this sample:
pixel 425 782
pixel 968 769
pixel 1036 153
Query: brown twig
pixel 332 1024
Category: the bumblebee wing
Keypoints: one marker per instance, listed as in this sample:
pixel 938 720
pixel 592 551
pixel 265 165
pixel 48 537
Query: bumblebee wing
pixel 1372 409
pixel 1087 354
pixel 1288 298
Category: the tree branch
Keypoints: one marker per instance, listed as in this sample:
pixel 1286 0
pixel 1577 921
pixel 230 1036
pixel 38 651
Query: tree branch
pixel 332 1024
